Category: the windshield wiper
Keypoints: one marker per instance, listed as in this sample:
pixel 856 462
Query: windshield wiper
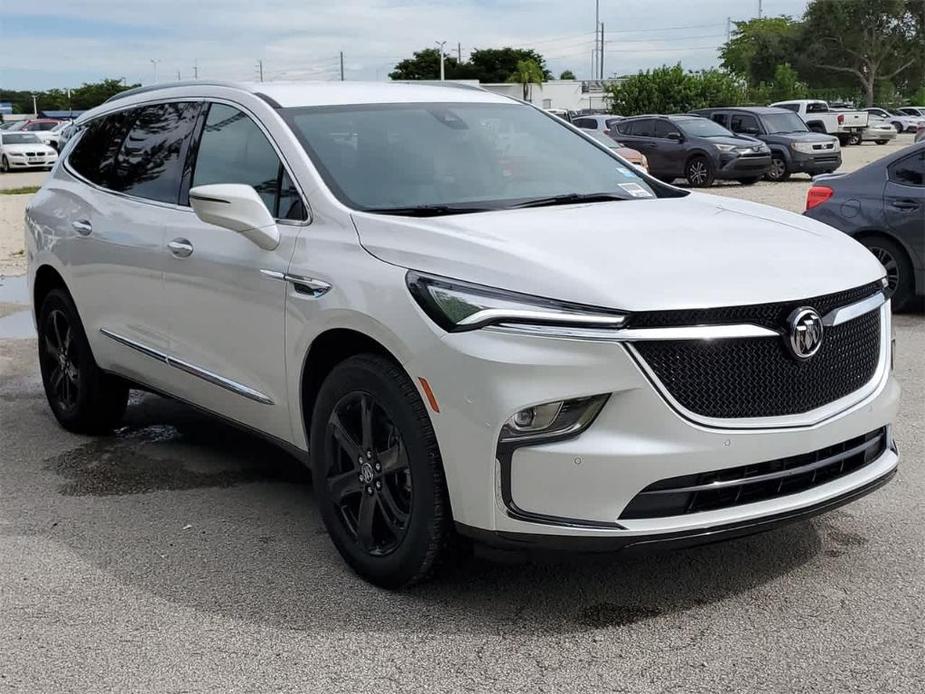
pixel 566 199
pixel 427 210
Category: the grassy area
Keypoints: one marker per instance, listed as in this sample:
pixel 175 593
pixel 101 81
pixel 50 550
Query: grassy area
pixel 24 190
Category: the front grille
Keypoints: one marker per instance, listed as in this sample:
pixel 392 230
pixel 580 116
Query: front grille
pixel 709 491
pixel 768 315
pixel 757 377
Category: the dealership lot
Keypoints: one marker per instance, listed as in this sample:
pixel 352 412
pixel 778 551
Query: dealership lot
pixel 180 555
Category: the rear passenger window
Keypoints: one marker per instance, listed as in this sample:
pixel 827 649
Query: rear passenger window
pixel 644 128
pixel 662 128
pixel 150 162
pixel 909 171
pixel 586 123
pixel 233 149
pixel 94 154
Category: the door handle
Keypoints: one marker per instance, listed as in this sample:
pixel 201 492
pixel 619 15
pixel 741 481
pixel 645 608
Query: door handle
pixel 181 248
pixel 905 204
pixel 82 227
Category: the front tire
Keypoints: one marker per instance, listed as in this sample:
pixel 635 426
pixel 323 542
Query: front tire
pixel 699 172
pixel 778 170
pixel 83 398
pixel 377 472
pixel 855 139
pixel 5 165
pixel 898 126
pixel 898 270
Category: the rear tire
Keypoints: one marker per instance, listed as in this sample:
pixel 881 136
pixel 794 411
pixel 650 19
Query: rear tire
pixel 855 139
pixel 699 172
pixel 377 472
pixel 882 142
pixel 83 398
pixel 898 270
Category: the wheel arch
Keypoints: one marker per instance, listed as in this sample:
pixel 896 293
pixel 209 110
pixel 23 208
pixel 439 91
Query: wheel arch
pixel 876 233
pixel 46 279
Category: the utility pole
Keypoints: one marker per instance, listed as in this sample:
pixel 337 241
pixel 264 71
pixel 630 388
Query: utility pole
pixel 196 69
pixel 597 24
pixel 178 76
pixel 260 69
pixel 154 62
pixel 759 9
pixel 441 44
pixel 35 108
pixel 459 52
pixel 602 50
pixel 728 28
pixel 341 66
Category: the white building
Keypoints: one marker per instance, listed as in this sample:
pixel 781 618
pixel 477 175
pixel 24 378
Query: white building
pixel 569 95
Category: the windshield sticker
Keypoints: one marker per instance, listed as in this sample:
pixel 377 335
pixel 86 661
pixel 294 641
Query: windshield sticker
pixel 636 190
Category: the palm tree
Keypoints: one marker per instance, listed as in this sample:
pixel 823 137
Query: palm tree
pixel 527 73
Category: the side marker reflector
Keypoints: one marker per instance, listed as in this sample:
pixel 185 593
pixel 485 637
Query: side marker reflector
pixel 431 398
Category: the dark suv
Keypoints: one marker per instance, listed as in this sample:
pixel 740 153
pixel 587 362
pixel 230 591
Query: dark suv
pixel 695 148
pixel 794 148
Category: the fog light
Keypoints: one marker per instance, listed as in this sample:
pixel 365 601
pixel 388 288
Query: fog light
pixel 552 420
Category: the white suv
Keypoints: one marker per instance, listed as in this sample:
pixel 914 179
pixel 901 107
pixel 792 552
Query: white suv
pixel 466 315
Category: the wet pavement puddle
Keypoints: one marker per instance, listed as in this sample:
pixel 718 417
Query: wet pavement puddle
pixel 18 325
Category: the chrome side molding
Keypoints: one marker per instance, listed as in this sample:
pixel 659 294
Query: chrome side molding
pixel 192 369
pixel 303 285
pixel 685 332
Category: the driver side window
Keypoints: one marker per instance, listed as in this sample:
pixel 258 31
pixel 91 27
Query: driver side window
pixel 232 149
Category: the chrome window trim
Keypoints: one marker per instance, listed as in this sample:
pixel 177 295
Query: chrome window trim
pixel 192 369
pixel 806 419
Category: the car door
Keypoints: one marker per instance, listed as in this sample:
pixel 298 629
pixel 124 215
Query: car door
pixel 225 295
pixel 904 202
pixel 669 150
pixel 129 167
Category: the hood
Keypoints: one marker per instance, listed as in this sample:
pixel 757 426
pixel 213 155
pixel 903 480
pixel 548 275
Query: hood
pixel 29 147
pixel 814 138
pixel 697 251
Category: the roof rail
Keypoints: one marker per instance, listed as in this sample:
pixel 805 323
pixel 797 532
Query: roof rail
pixel 448 84
pixel 169 85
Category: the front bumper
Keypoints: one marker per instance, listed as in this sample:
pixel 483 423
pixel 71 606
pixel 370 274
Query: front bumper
pixel 31 162
pixel 575 491
pixel 814 163
pixel 743 166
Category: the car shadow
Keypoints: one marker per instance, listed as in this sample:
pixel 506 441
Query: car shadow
pixel 183 507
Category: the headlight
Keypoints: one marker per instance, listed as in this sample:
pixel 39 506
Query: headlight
pixel 17 154
pixel 726 148
pixel 805 147
pixel 459 306
pixel 551 421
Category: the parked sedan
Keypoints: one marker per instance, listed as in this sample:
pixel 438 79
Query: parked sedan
pixel 882 205
pixel 19 150
pixel 633 156
pixel 880 132
pixel 902 122
pixel 695 148
pixel 794 148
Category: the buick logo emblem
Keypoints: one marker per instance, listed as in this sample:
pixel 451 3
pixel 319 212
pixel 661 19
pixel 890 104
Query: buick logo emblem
pixel 366 471
pixel 805 329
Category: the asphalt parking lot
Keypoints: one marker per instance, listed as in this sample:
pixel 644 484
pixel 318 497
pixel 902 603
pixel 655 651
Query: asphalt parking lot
pixel 180 555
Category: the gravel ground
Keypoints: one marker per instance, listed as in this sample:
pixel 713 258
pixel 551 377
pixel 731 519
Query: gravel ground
pixel 12 208
pixel 179 555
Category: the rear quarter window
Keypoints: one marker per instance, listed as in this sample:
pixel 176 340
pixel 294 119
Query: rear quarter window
pixel 96 150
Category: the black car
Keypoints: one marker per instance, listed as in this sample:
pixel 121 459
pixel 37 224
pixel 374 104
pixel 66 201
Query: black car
pixel 794 148
pixel 882 205
pixel 694 148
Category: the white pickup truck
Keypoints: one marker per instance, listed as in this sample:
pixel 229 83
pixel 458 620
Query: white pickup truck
pixel 847 126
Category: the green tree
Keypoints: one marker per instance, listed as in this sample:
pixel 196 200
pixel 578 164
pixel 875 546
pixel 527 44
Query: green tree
pixel 425 65
pixel 498 64
pixel 527 73
pixel 871 41
pixel 785 85
pixel 86 96
pixel 672 90
pixel 758 46
pixel 567 75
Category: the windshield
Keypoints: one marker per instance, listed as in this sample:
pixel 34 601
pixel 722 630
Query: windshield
pixel 474 156
pixel 19 139
pixel 701 127
pixel 784 123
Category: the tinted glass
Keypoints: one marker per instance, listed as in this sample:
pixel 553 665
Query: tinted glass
pixel 741 123
pixel 790 107
pixel 909 171
pixel 35 127
pixel 701 127
pixel 150 162
pixel 644 128
pixel 290 202
pixel 587 123
pixel 664 128
pixel 94 154
pixel 721 118
pixel 784 123
pixel 611 123
pixel 233 149
pixel 816 107
pixel 489 155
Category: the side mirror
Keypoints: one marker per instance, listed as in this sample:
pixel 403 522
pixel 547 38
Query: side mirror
pixel 236 207
pixel 676 137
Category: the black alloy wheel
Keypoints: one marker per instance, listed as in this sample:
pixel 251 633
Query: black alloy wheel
pixel 377 472
pixel 83 398
pixel 368 475
pixel 699 172
pixel 899 273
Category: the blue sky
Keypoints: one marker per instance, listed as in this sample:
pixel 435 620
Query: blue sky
pixel 62 44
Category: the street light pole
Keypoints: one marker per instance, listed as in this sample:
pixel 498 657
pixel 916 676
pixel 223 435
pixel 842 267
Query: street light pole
pixel 441 44
pixel 154 62
pixel 35 108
